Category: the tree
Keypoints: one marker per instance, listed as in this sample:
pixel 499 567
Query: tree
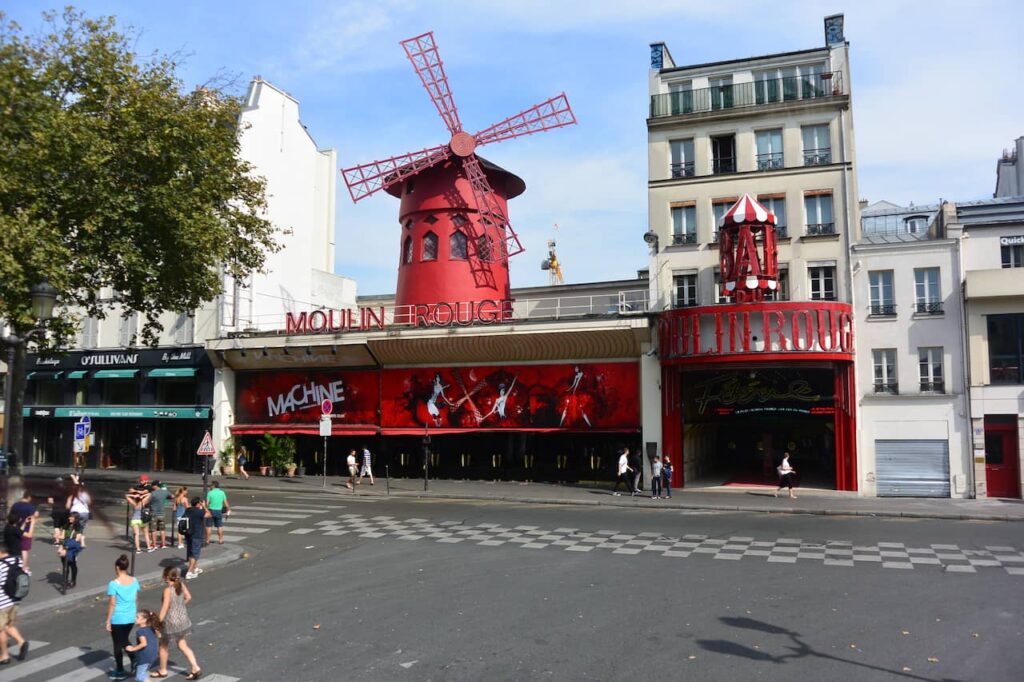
pixel 114 176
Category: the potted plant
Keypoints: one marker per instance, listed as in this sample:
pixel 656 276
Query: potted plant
pixel 300 470
pixel 289 467
pixel 277 452
pixel 227 457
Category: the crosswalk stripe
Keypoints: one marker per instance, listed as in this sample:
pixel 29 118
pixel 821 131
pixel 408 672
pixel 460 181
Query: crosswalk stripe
pixel 233 538
pixel 298 506
pixel 243 529
pixel 217 677
pixel 287 510
pixel 35 665
pixel 277 515
pixel 262 522
pixel 98 666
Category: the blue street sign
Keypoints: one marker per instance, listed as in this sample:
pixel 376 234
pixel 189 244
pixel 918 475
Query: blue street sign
pixel 87 422
pixel 81 431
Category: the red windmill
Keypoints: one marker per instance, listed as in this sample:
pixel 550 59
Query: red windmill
pixel 456 237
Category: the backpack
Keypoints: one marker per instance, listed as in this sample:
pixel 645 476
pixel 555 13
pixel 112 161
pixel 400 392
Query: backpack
pixel 17 583
pixel 183 526
pixel 147 514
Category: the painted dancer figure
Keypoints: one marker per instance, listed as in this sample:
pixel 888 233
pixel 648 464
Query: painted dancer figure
pixel 501 402
pixel 575 408
pixel 432 407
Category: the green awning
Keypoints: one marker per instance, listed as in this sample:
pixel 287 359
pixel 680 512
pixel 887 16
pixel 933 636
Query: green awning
pixel 116 373
pixel 172 372
pixel 77 374
pixel 43 375
pixel 139 412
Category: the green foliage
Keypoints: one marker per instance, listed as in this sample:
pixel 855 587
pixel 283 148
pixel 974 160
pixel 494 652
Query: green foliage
pixel 278 451
pixel 113 174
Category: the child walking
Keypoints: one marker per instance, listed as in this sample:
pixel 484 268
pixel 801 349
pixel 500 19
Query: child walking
pixel 146 650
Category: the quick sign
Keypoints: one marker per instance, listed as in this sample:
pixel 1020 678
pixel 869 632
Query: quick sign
pixel 1013 240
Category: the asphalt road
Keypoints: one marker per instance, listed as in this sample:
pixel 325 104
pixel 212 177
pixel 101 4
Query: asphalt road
pixel 346 588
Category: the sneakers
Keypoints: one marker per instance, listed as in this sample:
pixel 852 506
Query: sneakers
pixel 198 571
pixel 189 575
pixel 617 494
pixel 181 546
pixel 150 549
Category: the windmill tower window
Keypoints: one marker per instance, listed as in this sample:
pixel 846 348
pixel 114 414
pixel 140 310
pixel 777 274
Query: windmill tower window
pixel 407 251
pixel 483 247
pixel 429 246
pixel 410 186
pixel 459 220
pixel 458 245
pixel 430 220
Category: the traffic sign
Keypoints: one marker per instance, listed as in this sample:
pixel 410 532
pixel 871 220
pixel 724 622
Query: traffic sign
pixel 81 445
pixel 325 426
pixel 87 421
pixel 81 431
pixel 326 407
pixel 206 448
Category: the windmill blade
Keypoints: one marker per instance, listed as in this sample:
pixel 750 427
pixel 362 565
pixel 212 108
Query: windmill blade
pixel 552 113
pixel 422 52
pixel 372 177
pixel 502 241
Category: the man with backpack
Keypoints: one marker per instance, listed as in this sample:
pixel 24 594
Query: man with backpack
pixel 192 526
pixel 13 588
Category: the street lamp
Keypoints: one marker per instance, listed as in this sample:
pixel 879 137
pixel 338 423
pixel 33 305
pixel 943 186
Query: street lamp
pixel 43 298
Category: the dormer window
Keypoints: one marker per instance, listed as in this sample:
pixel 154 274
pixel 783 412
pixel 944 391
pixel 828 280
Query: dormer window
pixel 915 224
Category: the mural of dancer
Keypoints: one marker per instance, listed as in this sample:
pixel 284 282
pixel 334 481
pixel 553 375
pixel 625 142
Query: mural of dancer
pixel 432 408
pixel 501 402
pixel 574 404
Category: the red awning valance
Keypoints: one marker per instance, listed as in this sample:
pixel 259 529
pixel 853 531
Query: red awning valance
pixel 449 431
pixel 304 429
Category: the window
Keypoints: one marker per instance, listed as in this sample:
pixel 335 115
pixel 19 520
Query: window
pixel 681 98
pixel 457 246
pixel 823 283
pixel 1005 348
pixel 429 246
pixel 458 220
pixel 723 154
pixel 1013 255
pixel 817 145
pixel 926 283
pixel 719 209
pixel 790 83
pixel 720 90
pixel 915 224
pixel 407 251
pixel 930 368
pixel 129 327
pixel 483 247
pixel 120 391
pixel 884 362
pixel 777 205
pixel 48 392
pixel 90 337
pixel 686 289
pixel 883 302
pixel 183 331
pixel 769 149
pixel 684 224
pixel 720 296
pixel 682 158
pixel 410 185
pixel 781 292
pixel 430 219
pixel 819 214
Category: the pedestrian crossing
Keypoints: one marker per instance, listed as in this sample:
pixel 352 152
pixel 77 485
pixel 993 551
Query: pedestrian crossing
pixel 250 519
pixel 78 664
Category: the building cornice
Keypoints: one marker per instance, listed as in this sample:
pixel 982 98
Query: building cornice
pixel 725 177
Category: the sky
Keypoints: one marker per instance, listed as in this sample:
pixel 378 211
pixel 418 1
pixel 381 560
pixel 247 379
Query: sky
pixel 936 97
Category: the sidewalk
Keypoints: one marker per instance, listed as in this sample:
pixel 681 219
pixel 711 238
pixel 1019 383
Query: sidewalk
pixel 755 500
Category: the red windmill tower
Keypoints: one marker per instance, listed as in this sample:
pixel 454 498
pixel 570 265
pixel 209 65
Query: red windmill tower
pixel 456 238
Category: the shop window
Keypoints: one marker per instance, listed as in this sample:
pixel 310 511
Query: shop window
pixel 48 393
pixel 884 365
pixel 429 246
pixel 120 392
pixel 1005 348
pixel 176 391
pixel 407 251
pixel 458 246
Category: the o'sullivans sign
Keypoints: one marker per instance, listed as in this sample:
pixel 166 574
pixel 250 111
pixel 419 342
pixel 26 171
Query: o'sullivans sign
pixel 443 314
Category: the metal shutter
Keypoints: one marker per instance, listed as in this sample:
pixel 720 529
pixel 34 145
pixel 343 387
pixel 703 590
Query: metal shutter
pixel 912 468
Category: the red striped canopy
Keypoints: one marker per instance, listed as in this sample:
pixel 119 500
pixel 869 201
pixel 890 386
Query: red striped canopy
pixel 747 210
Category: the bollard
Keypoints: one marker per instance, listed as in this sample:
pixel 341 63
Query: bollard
pixel 132 572
pixel 127 521
pixel 387 477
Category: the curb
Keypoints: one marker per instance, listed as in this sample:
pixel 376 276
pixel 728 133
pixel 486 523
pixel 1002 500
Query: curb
pixel 234 553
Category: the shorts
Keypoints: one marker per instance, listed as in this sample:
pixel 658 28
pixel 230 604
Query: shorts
pixel 26 543
pixel 156 524
pixel 8 617
pixel 216 519
pixel 352 471
pixel 367 471
pixel 137 523
pixel 83 518
pixel 142 672
pixel 194 546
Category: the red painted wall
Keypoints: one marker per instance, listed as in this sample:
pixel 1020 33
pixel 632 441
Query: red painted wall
pixel 287 397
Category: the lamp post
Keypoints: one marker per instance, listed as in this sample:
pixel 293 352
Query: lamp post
pixel 43 299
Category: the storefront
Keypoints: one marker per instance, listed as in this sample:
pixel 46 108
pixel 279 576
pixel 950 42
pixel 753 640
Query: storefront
pixel 148 408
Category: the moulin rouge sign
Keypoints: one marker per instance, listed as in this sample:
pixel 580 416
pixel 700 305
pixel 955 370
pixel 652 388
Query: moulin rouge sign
pixel 458 314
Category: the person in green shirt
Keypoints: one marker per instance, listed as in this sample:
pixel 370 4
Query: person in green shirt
pixel 217 504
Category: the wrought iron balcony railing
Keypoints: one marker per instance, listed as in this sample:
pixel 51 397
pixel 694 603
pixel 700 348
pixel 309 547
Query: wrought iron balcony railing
pixel 684 238
pixel 685 301
pixel 889 387
pixel 817 229
pixel 781 232
pixel 818 157
pixel 769 161
pixel 928 307
pixel 933 387
pixel 724 164
pixel 882 309
pixel 682 170
pixel 742 95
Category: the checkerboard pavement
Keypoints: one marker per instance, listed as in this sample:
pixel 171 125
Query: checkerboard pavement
pixel 888 555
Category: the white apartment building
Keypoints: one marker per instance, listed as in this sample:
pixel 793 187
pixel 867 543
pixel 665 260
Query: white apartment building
pixel 913 435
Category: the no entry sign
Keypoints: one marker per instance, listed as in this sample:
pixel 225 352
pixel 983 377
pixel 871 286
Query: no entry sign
pixel 326 407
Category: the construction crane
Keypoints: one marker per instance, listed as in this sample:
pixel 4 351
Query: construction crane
pixel 552 265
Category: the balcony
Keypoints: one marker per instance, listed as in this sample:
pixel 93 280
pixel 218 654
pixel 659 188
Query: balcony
pixel 887 387
pixel 933 387
pixel 781 232
pixel 818 157
pixel 682 170
pixel 685 301
pixel 724 164
pixel 746 95
pixel 882 310
pixel 820 229
pixel 769 161
pixel 684 238
pixel 928 307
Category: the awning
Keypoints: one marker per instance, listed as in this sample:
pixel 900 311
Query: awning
pixel 305 429
pixel 42 375
pixel 123 412
pixel 115 374
pixel 172 372
pixel 451 431
pixel 77 374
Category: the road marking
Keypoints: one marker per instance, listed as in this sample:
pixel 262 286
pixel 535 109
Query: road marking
pixel 97 668
pixel 243 529
pixel 269 508
pixel 35 665
pixel 263 522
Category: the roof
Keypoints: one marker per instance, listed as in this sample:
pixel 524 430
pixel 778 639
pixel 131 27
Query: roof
pixel 514 184
pixel 991 211
pixel 775 55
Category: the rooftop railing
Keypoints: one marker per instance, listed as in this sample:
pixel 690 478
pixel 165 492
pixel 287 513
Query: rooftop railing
pixel 745 95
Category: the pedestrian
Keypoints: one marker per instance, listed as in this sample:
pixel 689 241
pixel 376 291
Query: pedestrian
pixel 78 502
pixel 157 513
pixel 666 474
pixel 195 517
pixel 137 500
pixel 9 610
pixel 26 514
pixel 243 459
pixel 70 547
pixel 58 511
pixel 656 478
pixel 217 504
pixel 350 461
pixel 367 469
pixel 634 465
pixel 12 535
pixel 624 472
pixel 176 624
pixel 786 473
pixel 123 591
pixel 180 505
pixel 146 647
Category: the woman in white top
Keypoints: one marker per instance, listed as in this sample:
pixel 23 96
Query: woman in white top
pixel 78 503
pixel 786 473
